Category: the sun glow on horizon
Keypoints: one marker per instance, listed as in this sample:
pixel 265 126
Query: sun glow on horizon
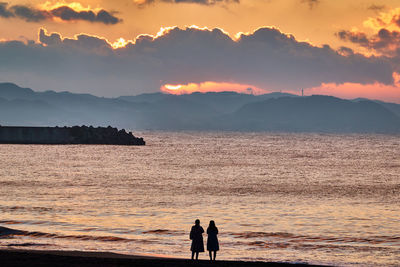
pixel 375 91
pixel 173 87
pixel 211 86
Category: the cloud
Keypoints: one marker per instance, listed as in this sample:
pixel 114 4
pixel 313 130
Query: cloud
pixel 64 12
pixel 311 3
pixel 4 12
pixel 385 42
pixel 389 20
pixel 82 42
pixel 377 8
pixel 30 14
pixel 354 37
pixel 200 2
pixel 266 59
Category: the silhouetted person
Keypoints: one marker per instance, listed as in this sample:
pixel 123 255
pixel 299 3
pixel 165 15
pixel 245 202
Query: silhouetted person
pixel 212 240
pixel 196 235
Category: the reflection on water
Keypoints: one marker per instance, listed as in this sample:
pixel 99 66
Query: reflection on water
pixel 285 197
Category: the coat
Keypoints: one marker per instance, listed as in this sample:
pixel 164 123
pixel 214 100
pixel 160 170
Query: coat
pixel 196 235
pixel 212 240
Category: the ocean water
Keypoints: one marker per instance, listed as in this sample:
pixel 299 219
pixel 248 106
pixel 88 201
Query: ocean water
pixel 316 198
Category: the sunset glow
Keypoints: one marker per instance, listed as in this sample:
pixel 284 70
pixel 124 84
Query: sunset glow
pixel 274 122
pixel 171 87
pixel 385 19
pixel 193 34
pixel 377 91
pixel 121 42
pixel 210 86
pixel 74 5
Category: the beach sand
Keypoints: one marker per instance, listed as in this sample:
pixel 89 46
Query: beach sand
pixel 18 257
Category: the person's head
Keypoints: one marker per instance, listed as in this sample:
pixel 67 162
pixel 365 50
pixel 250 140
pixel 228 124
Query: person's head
pixel 197 222
pixel 212 224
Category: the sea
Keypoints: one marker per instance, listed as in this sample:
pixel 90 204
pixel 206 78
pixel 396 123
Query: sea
pixel 331 199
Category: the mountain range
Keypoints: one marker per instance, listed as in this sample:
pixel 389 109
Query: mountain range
pixel 198 111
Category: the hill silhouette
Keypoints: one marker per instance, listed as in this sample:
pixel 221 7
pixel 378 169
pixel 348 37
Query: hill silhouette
pixel 315 113
pixel 198 111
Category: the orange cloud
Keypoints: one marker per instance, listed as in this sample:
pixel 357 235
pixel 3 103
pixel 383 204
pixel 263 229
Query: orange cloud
pixel 389 20
pixel 375 91
pixel 210 86
pixel 74 5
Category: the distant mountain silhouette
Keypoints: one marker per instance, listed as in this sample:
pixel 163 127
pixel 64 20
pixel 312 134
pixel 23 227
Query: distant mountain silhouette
pixel 315 113
pixel 395 108
pixel 223 102
pixel 198 111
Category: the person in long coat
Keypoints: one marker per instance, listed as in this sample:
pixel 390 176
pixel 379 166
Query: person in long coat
pixel 212 240
pixel 196 235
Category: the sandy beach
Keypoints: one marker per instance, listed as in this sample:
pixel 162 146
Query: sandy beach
pixel 19 257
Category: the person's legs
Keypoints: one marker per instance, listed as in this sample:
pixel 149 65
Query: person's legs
pixel 215 254
pixel 209 252
pixel 192 255
pixel 197 255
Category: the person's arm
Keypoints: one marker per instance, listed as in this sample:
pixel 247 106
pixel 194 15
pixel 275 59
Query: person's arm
pixel 191 234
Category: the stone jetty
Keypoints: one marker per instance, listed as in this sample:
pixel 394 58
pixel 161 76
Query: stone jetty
pixel 68 135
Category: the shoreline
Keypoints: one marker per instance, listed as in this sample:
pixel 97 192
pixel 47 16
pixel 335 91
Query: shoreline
pixel 25 257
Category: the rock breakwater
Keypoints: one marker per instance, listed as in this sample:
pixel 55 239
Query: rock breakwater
pixel 67 135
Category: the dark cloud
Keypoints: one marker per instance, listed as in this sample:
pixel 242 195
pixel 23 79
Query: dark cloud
pixel 52 39
pixel 63 12
pixel 67 13
pixel 201 2
pixel 30 14
pixel 107 18
pixel 266 58
pixel 385 42
pixel 81 42
pixel 354 37
pixel 4 12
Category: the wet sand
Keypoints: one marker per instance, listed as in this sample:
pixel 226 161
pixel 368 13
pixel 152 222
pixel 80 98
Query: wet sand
pixel 18 257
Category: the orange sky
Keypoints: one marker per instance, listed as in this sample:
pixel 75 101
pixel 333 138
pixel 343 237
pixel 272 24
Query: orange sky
pixel 316 24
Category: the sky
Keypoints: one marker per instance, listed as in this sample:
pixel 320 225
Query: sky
pixel 343 48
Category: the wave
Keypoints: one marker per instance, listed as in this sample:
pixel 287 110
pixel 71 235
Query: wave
pixel 26 245
pixel 256 240
pixel 8 232
pixel 21 208
pixel 292 238
pixel 164 232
